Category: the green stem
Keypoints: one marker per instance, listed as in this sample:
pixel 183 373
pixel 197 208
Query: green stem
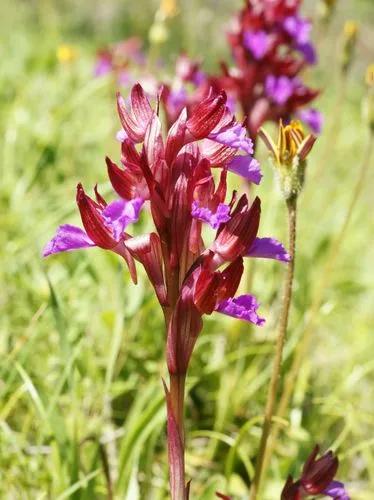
pixel 282 331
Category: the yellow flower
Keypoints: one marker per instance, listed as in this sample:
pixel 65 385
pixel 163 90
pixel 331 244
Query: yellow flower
pixel 350 29
pixel 66 53
pixel 169 8
pixel 291 144
pixel 289 155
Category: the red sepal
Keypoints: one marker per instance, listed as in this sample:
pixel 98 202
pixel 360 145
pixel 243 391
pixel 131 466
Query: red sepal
pixel 93 222
pixel 239 232
pixel 206 116
pixel 147 250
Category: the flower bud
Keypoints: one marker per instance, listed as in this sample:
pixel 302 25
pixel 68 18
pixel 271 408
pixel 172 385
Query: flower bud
pixel 325 10
pixel 289 156
pixel 368 102
pixel 350 34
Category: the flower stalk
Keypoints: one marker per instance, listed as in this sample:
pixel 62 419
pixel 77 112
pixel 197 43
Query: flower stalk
pixel 303 345
pixel 173 177
pixel 289 155
pixel 281 337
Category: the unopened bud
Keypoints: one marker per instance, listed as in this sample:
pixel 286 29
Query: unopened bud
pixel 350 34
pixel 169 8
pixel 158 34
pixel 368 101
pixel 325 10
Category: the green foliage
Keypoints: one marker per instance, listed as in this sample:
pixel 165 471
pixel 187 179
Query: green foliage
pixel 82 349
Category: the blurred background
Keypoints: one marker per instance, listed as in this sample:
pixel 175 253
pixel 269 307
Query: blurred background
pixel 82 348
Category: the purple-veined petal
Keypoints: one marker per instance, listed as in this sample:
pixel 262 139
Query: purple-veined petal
pixel 313 118
pixel 215 219
pixel 243 307
pixel 67 238
pixel 257 42
pixel 246 167
pixel 336 491
pixel 234 136
pixel 268 248
pixel 120 213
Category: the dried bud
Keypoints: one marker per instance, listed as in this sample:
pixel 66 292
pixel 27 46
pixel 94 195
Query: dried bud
pixel 289 155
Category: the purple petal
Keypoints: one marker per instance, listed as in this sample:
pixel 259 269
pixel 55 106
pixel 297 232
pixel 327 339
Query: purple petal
pixel 257 42
pixel 177 100
pixel 243 307
pixel 313 118
pixel 67 238
pixel 103 66
pixel 246 167
pixel 198 78
pixel 299 28
pixel 268 248
pixel 204 214
pixel 120 213
pixel 234 136
pixel 308 51
pixel 280 89
pixel 124 78
pixel 336 491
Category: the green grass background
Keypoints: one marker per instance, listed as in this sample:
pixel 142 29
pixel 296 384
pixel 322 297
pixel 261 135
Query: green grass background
pixel 82 348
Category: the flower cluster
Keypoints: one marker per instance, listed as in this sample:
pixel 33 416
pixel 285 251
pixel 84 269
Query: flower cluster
pixel 271 46
pixel 174 177
pixel 317 478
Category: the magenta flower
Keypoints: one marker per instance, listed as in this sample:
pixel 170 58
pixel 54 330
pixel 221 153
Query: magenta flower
pixel 268 248
pixel 299 29
pixel 243 307
pixel 257 42
pixel 313 118
pixel 317 479
pixel 103 64
pixel 174 175
pixel 118 58
pixel 280 89
pixel 214 219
